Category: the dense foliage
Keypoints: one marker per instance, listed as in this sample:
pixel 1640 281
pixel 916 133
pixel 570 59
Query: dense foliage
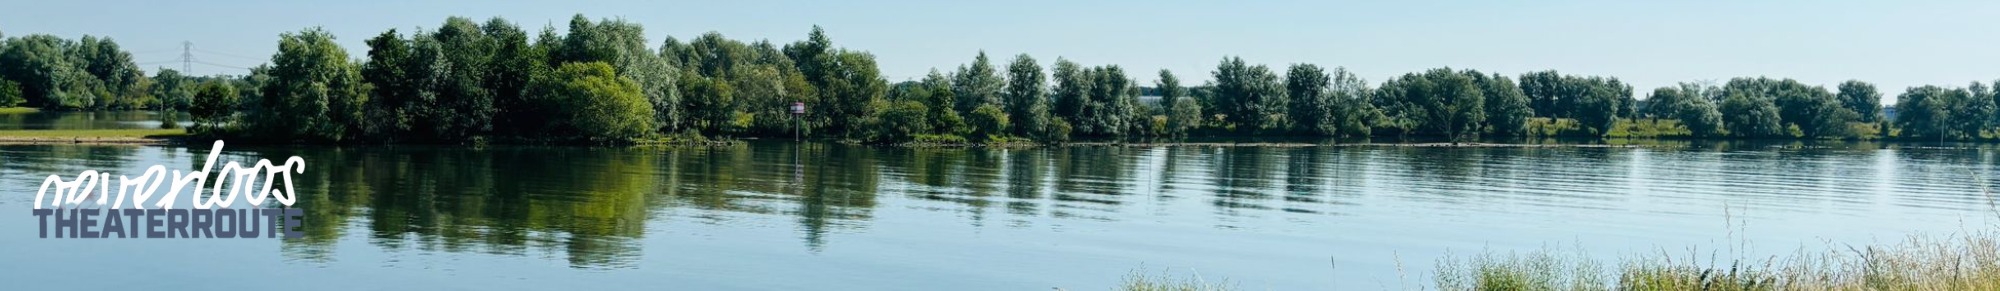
pixel 213 103
pixel 603 81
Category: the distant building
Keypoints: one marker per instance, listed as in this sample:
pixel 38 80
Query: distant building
pixel 1889 112
pixel 1153 100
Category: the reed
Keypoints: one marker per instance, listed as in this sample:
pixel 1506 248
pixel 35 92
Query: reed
pixel 1919 263
pixel 1139 280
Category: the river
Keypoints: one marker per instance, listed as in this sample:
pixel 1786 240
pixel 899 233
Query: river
pixel 796 216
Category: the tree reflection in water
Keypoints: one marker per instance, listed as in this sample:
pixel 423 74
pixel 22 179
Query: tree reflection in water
pixel 592 206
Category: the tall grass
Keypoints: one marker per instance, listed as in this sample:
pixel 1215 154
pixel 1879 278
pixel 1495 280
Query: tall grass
pixel 1139 280
pixel 1621 128
pixel 1918 264
pixel 1546 269
pixel 1648 128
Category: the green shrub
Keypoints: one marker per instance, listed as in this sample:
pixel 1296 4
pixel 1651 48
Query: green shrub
pixel 900 120
pixel 989 120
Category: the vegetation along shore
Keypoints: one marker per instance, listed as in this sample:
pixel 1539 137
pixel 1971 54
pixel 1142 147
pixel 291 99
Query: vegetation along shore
pixel 1960 262
pixel 97 136
pixel 603 82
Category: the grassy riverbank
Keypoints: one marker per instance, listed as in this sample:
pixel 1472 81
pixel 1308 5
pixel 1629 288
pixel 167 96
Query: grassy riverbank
pixel 97 136
pixel 18 110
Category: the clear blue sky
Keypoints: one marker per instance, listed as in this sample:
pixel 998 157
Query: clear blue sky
pixel 1894 44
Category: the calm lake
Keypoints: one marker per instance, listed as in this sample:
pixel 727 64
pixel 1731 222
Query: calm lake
pixel 787 216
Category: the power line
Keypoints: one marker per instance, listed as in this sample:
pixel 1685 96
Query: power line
pixel 154 51
pixel 228 55
pixel 221 65
pixel 188 60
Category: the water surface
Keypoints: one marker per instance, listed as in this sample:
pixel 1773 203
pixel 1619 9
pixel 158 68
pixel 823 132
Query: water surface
pixel 785 216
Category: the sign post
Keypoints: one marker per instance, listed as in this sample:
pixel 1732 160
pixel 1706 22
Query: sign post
pixel 798 118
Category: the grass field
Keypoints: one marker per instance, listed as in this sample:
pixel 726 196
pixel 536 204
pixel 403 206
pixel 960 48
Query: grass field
pixel 18 110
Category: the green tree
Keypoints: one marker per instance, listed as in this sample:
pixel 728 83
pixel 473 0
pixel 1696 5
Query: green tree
pixel 10 93
pixel 1927 112
pixel 764 92
pixel 174 91
pixel 1071 92
pixel 1109 104
pixel 814 56
pixel 1027 97
pixel 1507 109
pixel 41 64
pixel 1812 110
pixel 1438 102
pixel 1751 117
pixel 764 80
pixel 1816 113
pixel 1183 112
pixel 977 85
pixel 1311 105
pixel 989 121
pixel 1686 104
pixel 709 103
pixel 623 45
pixel 114 70
pixel 1544 89
pixel 1974 112
pixel 393 91
pixel 514 64
pixel 1185 115
pixel 460 55
pixel 936 94
pixel 593 102
pixel 1251 97
pixel 848 81
pixel 1352 111
pixel 899 121
pixel 1595 102
pixel 214 104
pixel 853 83
pixel 1862 98
pixel 314 92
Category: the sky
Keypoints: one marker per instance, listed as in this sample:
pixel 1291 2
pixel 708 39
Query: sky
pixel 1894 44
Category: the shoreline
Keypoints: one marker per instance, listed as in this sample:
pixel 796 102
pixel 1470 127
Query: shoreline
pixel 82 140
pixel 170 140
pixel 180 136
pixel 94 136
pixel 1368 144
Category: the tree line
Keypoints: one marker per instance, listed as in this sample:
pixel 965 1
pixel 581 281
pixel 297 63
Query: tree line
pixel 603 81
pixel 91 73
